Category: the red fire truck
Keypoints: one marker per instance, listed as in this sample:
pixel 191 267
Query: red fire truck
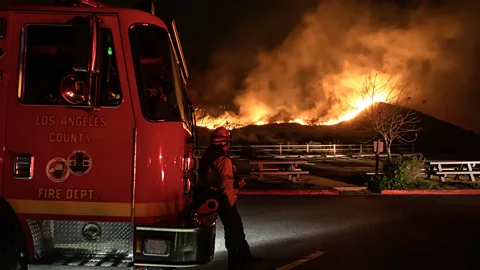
pixel 97 141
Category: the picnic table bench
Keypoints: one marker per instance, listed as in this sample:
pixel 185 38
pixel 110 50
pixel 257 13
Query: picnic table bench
pixel 291 170
pixel 457 168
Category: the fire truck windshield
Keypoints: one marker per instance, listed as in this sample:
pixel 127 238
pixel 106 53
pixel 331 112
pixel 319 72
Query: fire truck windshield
pixel 47 55
pixel 158 79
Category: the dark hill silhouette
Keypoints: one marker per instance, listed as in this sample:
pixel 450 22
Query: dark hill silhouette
pixel 437 139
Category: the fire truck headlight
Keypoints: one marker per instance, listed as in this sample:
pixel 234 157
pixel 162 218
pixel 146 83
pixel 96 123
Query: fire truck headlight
pixel 156 247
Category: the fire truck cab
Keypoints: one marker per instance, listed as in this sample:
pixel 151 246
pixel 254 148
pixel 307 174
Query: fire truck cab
pixel 97 141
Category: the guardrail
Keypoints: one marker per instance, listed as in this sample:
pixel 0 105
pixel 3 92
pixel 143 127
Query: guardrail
pixel 310 149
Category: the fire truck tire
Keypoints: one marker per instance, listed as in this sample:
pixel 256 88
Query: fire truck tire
pixel 13 255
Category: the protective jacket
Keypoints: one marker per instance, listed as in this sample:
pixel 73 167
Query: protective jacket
pixel 217 171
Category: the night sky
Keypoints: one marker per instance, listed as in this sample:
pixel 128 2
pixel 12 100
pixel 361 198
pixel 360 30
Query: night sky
pixel 244 27
pixel 216 32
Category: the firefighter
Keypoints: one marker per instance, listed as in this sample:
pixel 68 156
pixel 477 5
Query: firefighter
pixel 217 172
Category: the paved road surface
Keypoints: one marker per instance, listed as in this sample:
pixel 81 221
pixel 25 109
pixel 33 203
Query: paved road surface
pixel 360 232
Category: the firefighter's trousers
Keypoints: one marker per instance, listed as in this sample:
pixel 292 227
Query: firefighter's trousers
pixel 237 247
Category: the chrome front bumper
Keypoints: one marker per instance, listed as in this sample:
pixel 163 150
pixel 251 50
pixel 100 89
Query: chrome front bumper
pixel 67 248
pixel 189 247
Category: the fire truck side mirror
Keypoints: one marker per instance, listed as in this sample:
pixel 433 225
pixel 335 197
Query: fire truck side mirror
pixel 86 58
pixel 81 43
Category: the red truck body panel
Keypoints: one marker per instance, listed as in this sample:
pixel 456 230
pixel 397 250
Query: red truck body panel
pixel 160 152
pixel 159 173
pixel 4 69
pixel 55 135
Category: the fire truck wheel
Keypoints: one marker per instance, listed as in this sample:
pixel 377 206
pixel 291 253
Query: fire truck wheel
pixel 13 255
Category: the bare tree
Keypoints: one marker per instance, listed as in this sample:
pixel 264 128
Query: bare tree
pixel 389 115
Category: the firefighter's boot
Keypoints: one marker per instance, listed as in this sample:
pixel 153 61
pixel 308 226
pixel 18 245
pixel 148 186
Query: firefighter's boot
pixel 250 260
pixel 234 261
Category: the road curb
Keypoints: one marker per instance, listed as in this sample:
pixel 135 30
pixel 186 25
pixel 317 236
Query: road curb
pixel 287 192
pixel 432 192
pixel 350 189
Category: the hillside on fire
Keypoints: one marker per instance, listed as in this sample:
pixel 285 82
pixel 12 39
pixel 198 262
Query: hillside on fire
pixel 437 138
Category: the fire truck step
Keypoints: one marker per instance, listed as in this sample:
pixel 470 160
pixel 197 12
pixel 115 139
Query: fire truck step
pixel 83 262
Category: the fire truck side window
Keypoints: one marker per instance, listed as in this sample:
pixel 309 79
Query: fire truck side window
pixel 48 59
pixel 154 73
pixel 183 90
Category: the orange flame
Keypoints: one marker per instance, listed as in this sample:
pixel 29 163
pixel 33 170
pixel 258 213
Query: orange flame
pixel 349 107
pixel 313 76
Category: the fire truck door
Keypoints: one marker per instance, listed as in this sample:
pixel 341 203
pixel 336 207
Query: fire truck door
pixel 4 47
pixel 70 160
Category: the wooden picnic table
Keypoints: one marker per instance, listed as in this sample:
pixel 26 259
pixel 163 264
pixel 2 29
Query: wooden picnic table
pixel 292 169
pixel 453 167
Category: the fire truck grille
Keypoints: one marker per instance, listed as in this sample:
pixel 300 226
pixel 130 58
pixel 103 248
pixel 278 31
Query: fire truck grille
pixel 82 238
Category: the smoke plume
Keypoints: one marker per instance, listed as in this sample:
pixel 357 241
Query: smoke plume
pixel 314 74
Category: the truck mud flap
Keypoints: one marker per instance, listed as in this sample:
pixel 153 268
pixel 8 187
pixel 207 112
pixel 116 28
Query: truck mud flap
pixel 174 247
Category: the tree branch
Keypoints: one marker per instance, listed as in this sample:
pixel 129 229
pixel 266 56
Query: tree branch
pixel 389 114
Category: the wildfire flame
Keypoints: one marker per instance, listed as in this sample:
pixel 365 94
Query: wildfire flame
pixel 260 114
pixel 313 77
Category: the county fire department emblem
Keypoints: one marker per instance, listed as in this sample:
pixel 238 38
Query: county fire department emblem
pixel 79 163
pixel 57 170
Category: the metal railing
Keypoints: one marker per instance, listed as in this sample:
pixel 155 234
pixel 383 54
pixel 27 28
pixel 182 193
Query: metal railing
pixel 310 149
